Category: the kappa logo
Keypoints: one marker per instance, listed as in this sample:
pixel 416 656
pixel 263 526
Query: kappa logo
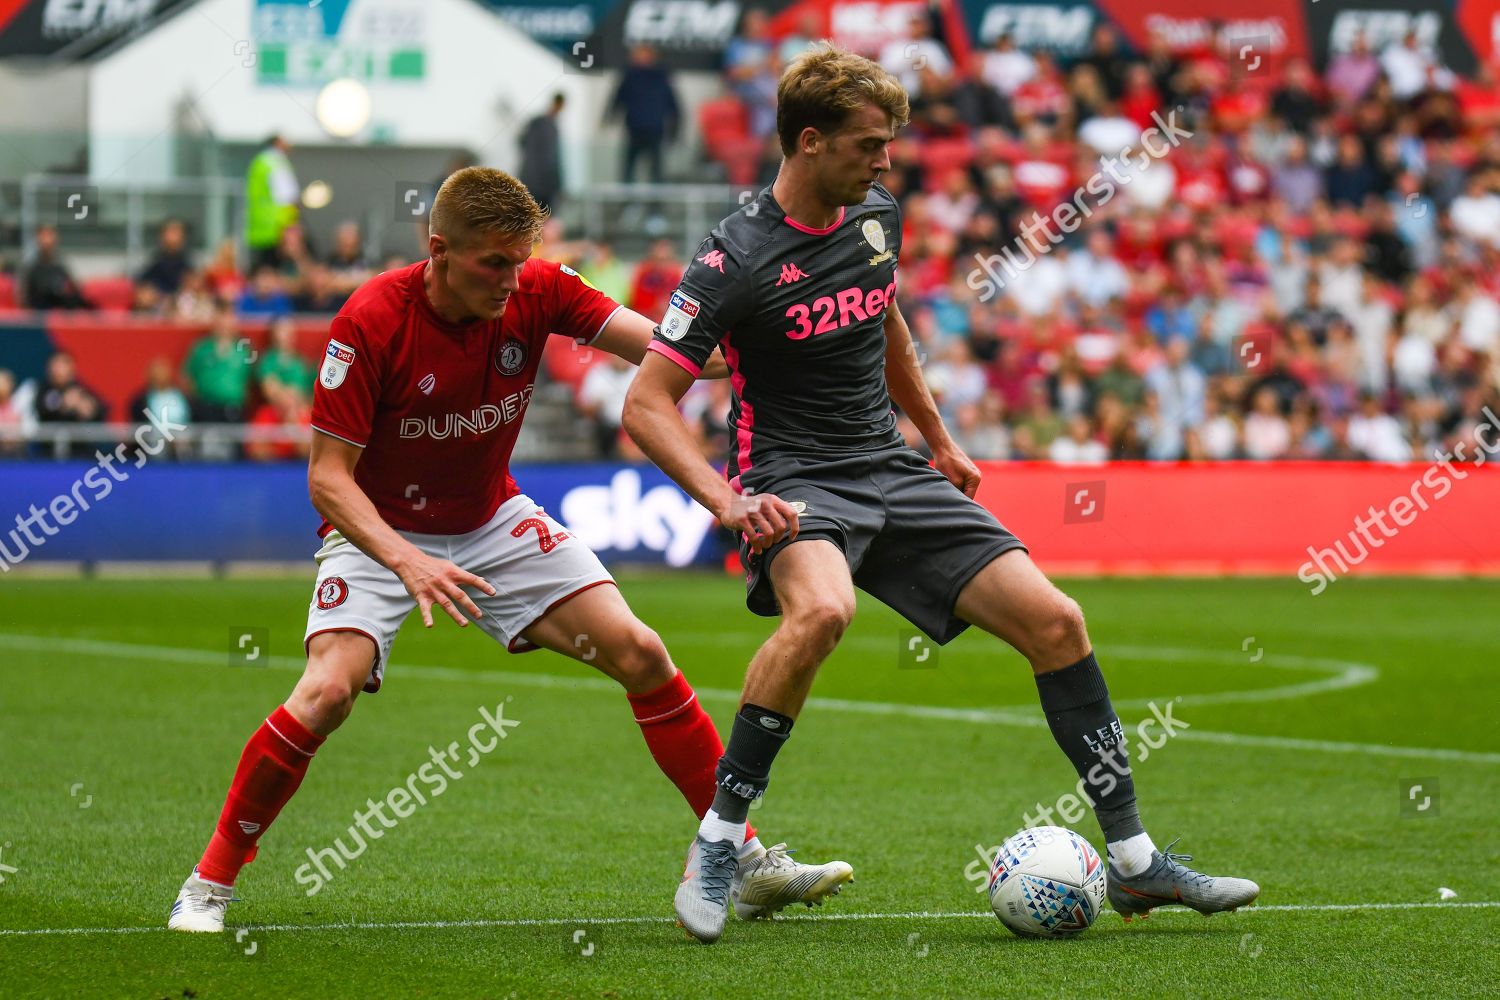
pixel 789 274
pixel 713 259
pixel 332 592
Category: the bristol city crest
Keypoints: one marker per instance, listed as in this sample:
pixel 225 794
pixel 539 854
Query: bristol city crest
pixel 511 358
pixel 332 592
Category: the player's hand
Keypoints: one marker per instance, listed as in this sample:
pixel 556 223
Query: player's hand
pixel 959 470
pixel 438 583
pixel 763 518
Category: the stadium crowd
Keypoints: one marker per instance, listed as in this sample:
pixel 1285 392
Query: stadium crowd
pixel 1305 268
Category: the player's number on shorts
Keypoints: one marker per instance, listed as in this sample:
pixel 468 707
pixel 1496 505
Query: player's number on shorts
pixel 544 536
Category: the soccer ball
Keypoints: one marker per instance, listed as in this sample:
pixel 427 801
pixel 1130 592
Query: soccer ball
pixel 1047 882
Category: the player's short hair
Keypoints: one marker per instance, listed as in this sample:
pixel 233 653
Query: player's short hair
pixel 825 85
pixel 482 199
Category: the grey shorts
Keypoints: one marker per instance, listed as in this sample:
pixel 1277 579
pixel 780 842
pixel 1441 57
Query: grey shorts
pixel 911 538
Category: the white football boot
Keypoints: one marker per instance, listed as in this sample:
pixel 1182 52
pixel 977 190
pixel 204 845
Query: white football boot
pixel 200 906
pixel 768 880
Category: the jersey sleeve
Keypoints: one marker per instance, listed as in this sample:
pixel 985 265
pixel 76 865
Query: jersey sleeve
pixel 579 310
pixel 348 384
pixel 707 305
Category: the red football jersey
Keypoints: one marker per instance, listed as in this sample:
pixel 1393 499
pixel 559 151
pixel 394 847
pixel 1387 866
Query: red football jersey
pixel 437 406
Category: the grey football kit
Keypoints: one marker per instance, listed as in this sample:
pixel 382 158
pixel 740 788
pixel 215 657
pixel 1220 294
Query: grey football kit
pixel 800 316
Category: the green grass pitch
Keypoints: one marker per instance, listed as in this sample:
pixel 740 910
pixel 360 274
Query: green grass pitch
pixel 547 870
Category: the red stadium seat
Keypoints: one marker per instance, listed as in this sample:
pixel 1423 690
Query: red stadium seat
pixel 109 294
pixel 722 121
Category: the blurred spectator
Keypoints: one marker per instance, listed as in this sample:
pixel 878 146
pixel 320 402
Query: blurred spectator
pixel 266 294
pixel 281 360
pixel 162 398
pixel 1078 446
pixel 12 420
pixel 285 408
pixel 158 284
pixel 656 278
pixel 1107 60
pixel 45 281
pixel 271 198
pixel 608 272
pixel 921 49
pixel 541 155
pixel 649 104
pixel 1478 317
pixel 1267 434
pixel 217 372
pixel 1180 387
pixel 1351 74
pixel 1376 435
pixel 601 398
pixel 319 292
pixel 348 267
pixel 751 70
pixel 1476 213
pixel 1007 67
pixel 64 399
pixel 1410 68
pixel 222 277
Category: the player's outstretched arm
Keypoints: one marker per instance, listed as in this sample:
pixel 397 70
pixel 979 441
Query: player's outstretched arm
pixel 335 495
pixel 903 375
pixel 628 334
pixel 655 424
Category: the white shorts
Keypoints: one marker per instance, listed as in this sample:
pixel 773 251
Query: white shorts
pixel 533 563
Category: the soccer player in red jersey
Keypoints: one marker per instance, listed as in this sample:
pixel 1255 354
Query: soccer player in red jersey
pixel 419 399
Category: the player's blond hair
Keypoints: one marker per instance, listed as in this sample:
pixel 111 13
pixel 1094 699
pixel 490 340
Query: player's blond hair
pixel 825 85
pixel 482 199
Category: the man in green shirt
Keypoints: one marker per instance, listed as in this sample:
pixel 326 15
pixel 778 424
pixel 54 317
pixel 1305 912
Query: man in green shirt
pixel 271 193
pixel 282 362
pixel 217 371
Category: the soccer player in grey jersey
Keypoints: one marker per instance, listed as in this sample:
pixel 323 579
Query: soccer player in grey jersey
pixel 799 289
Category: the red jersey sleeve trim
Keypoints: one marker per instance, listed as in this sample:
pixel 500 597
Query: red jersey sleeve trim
pixel 683 361
pixel 321 430
pixel 599 332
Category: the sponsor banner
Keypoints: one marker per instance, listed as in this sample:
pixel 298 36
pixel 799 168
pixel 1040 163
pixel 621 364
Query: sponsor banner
pixel 1062 27
pixel 1273 28
pixel 1386 22
pixel 1122 518
pixel 73 29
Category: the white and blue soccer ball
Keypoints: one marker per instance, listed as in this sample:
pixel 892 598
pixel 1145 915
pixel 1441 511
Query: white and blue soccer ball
pixel 1047 882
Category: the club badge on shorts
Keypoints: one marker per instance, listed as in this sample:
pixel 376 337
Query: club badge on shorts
pixel 336 364
pixel 511 357
pixel 332 592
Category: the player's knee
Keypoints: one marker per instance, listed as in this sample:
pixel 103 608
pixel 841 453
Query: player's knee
pixel 1061 633
pixel 640 660
pixel 323 700
pixel 822 621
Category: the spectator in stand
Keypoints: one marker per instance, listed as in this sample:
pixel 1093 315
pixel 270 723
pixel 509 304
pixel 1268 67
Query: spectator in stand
pixel 922 48
pixel 282 361
pixel 271 198
pixel 1179 386
pixel 1476 213
pixel 1078 446
pixel 656 277
pixel 1351 74
pixel 46 282
pixel 752 71
pixel 1296 102
pixel 1411 68
pixel 65 400
pixel 319 292
pixel 648 103
pixel 606 271
pixel 285 408
pixel 12 420
pixel 217 372
pixel 1478 317
pixel 162 398
pixel 347 264
pixel 157 285
pixel 541 155
pixel 1267 434
pixel 1007 67
pixel 222 276
pixel 601 398
pixel 266 295
pixel 1376 435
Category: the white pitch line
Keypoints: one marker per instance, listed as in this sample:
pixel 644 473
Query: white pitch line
pixel 1020 717
pixel 605 921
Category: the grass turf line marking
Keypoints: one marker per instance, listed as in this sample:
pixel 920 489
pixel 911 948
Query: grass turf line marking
pixel 1025 718
pixel 819 918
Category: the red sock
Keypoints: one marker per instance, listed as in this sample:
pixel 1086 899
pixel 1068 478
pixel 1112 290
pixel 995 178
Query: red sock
pixel 272 766
pixel 683 741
